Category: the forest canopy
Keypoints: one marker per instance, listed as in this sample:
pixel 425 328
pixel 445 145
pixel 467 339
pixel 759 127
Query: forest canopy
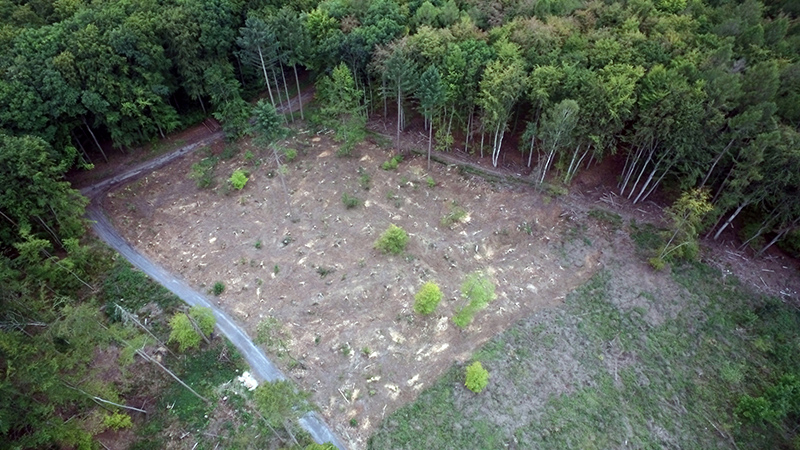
pixel 701 94
pixel 687 94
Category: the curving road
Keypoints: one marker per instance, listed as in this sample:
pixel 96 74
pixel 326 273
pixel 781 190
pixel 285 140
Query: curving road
pixel 261 367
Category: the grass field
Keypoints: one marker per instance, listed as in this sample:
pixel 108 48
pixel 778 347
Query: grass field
pixel 231 419
pixel 667 371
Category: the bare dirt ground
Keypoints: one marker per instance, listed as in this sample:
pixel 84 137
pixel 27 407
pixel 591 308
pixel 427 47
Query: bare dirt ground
pixel 359 346
pixel 354 339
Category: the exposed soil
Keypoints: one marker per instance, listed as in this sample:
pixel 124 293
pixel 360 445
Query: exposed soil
pixel 355 341
pixel 348 309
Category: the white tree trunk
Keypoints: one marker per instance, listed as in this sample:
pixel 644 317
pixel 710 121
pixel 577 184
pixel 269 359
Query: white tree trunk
pixel 266 77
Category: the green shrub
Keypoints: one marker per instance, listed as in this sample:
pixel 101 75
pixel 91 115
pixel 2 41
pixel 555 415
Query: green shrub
pixel 117 421
pixel 238 179
pixel 479 291
pixel 791 243
pixel 392 163
pixel 464 316
pixel 364 179
pixel 203 172
pixel 456 214
pixel 431 182
pixel 477 377
pixel 350 201
pixel 427 298
pixel 290 154
pixel 229 151
pixel 219 288
pixel 185 327
pixel 393 240
pixel 278 400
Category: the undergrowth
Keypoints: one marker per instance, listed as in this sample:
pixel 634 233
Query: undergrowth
pixel 597 373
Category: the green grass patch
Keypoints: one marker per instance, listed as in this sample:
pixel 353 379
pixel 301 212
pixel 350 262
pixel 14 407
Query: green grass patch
pixel 614 220
pixel 204 371
pixel 716 366
pixel 455 215
pixel 647 237
pixel 392 163
pixel 131 289
pixel 202 172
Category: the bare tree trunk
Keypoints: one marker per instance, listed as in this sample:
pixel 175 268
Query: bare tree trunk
pixel 730 219
pixel 530 155
pixel 641 172
pixel 94 138
pixel 430 143
pixel 650 177
pixel 483 133
pixel 722 186
pixel 149 358
pixel 468 133
pixel 299 94
pixel 133 319
pixel 202 105
pixel 286 89
pixel 197 329
pixel 779 236
pixel 716 160
pixel 657 183
pixel 278 94
pixel 266 77
pixel 627 169
pixel 99 400
pixel 83 150
pixel 399 114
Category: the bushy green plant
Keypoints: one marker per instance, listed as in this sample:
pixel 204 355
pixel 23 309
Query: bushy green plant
pixel 392 163
pixel 203 172
pixel 350 201
pixel 364 179
pixel 187 329
pixel 278 400
pixel 479 291
pixel 477 377
pixel 238 179
pixel 219 288
pixel 290 154
pixel 117 421
pixel 393 240
pixel 456 214
pixel 427 298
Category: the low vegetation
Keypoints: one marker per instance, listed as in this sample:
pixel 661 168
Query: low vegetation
pixel 218 288
pixel 454 215
pixel 478 291
pixel 393 163
pixel 350 201
pixel 393 240
pixel 476 377
pixel 701 365
pixel 203 172
pixel 238 179
pixel 427 298
pixel 188 330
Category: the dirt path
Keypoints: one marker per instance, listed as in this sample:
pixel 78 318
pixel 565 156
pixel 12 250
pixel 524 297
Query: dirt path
pixel 263 369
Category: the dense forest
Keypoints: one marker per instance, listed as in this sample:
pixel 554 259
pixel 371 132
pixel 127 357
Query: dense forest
pixel 684 93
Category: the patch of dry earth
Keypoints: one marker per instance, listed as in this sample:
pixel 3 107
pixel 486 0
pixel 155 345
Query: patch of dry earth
pixel 361 349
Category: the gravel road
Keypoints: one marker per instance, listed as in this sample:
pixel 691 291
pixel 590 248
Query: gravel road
pixel 261 367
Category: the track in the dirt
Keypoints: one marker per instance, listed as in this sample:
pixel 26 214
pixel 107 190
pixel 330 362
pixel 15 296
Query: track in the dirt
pixel 261 366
